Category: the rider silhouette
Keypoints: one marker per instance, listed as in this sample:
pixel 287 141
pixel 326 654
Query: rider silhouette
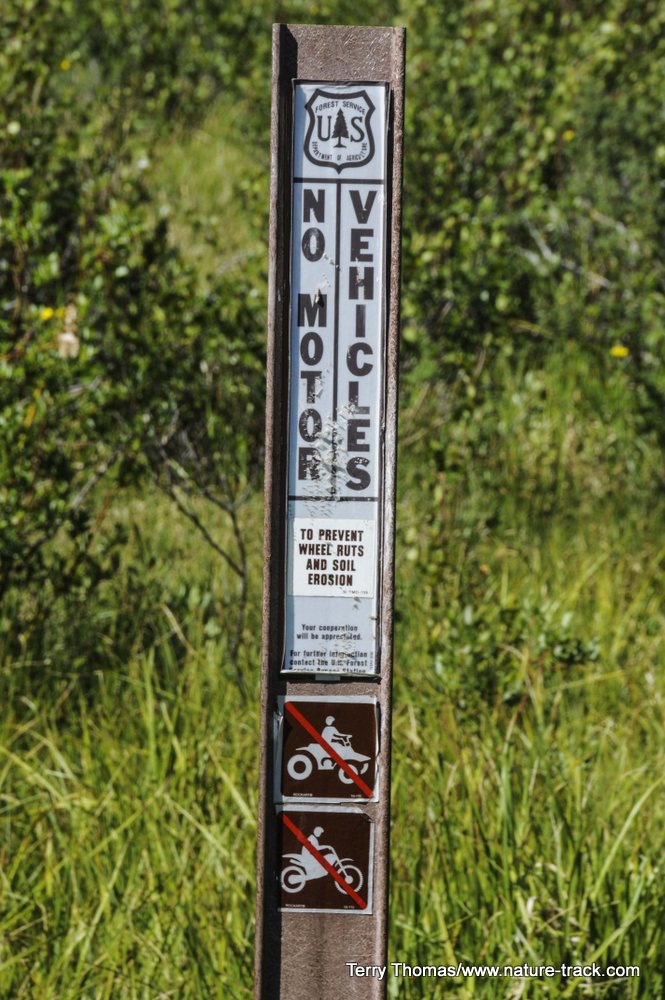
pixel 332 735
pixel 312 867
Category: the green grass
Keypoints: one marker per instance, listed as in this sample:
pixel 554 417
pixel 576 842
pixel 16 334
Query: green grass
pixel 530 697
pixel 529 711
pixel 128 801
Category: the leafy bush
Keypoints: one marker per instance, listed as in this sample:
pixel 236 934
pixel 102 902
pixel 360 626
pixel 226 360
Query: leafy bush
pixel 534 193
pixel 113 363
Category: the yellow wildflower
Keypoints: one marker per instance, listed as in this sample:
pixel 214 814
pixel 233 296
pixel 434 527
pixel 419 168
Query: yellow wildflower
pixel 619 351
pixel 65 65
pixel 46 314
pixel 569 134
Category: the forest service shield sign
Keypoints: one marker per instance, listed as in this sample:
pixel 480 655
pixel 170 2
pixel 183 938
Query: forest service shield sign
pixel 339 131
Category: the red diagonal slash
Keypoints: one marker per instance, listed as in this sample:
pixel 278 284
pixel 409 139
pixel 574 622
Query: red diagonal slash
pixel 300 836
pixel 353 774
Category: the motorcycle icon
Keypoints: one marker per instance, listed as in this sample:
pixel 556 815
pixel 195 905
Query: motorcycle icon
pixel 301 764
pixel 304 867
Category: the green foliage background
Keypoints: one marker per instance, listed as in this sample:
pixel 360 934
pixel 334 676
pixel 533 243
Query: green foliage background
pixel 530 616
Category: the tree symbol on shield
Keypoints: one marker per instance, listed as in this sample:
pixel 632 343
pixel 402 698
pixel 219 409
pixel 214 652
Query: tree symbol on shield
pixel 340 130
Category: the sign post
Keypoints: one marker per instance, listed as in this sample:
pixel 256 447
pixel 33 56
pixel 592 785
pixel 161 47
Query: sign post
pixel 330 508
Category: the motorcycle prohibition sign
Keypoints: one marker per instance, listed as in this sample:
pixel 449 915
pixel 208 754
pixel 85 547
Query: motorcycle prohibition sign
pixel 304 867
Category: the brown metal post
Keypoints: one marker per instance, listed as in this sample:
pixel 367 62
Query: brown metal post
pixel 307 934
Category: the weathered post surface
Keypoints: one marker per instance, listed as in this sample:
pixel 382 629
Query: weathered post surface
pixel 331 419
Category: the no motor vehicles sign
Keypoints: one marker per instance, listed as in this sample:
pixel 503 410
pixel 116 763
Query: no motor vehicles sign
pixel 336 378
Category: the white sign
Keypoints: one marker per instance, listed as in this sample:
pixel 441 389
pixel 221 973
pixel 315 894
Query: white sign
pixel 332 557
pixel 336 381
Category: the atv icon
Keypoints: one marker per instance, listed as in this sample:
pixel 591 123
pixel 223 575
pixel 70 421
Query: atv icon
pixel 301 764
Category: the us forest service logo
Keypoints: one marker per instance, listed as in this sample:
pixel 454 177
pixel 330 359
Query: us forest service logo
pixel 339 132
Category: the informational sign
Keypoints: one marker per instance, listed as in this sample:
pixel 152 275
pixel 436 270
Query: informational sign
pixel 326 861
pixel 336 376
pixel 328 748
pixel 331 554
